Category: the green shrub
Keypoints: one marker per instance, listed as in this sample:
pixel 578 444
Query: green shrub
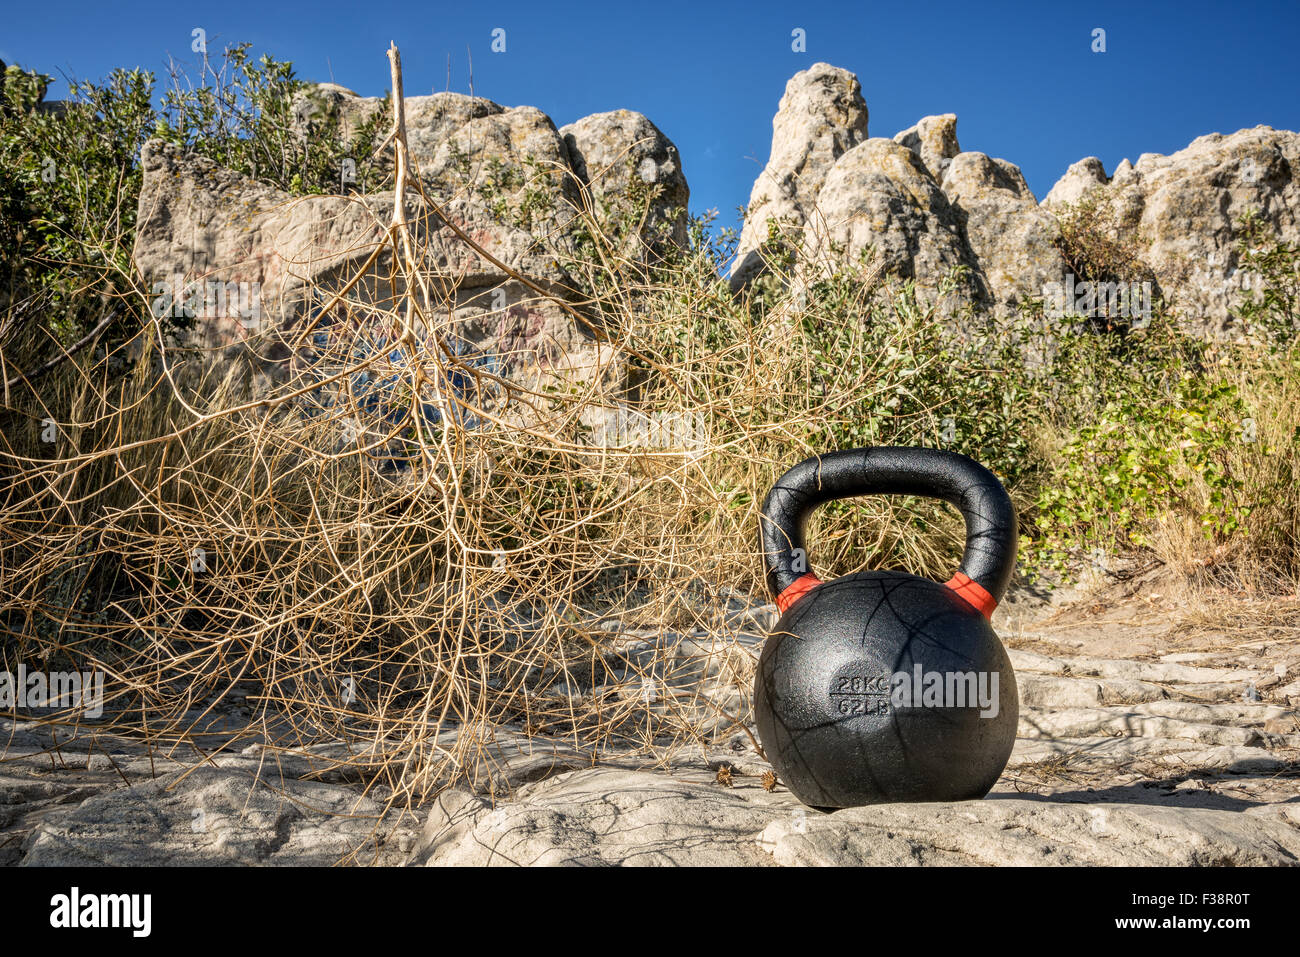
pixel 69 185
pixel 1135 462
pixel 1270 311
pixel 70 178
pixel 1168 430
pixel 240 115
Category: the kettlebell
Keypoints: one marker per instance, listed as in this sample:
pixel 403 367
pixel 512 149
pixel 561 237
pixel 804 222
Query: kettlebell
pixel 882 686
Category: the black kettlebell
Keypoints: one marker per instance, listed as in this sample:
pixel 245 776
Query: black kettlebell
pixel 882 686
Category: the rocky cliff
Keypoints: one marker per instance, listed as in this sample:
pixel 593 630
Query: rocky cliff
pixel 920 205
pixel 915 203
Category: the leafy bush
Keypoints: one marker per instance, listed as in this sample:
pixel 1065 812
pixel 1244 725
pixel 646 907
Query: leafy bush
pixel 1270 311
pixel 1135 462
pixel 69 183
pixel 1177 431
pixel 241 115
pixel 70 178
pixel 1095 244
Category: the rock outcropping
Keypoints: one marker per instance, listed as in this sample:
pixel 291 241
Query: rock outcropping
pixel 822 116
pixel 916 204
pixel 920 205
pixel 614 155
pixel 506 177
pixel 272 258
pixel 1183 212
pixel 934 140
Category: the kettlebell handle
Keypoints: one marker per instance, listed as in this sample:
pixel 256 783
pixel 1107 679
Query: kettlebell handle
pixel 990 556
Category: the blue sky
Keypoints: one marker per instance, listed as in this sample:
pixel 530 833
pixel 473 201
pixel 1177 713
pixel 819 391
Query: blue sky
pixel 1021 77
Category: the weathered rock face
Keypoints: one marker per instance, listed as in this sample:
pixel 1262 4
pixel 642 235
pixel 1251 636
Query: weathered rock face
pixel 516 164
pixel 217 816
pixel 821 117
pixel 879 196
pixel 1182 213
pixel 431 120
pixel 274 256
pixel 947 207
pixel 1012 239
pixel 1077 182
pixel 513 165
pixel 505 176
pixel 934 140
pixel 615 155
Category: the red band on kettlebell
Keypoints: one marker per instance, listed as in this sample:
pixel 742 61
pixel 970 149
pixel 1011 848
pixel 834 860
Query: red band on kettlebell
pixel 796 590
pixel 974 593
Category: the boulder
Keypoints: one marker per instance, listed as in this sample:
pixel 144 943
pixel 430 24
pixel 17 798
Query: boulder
pixel 820 118
pixel 1077 182
pixel 327 108
pixel 617 153
pixel 430 120
pixel 276 258
pixel 504 176
pixel 934 140
pixel 879 199
pixel 511 168
pixel 1012 239
pixel 833 187
pixel 514 164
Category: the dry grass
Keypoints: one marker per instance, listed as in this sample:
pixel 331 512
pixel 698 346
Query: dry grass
pixel 1264 458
